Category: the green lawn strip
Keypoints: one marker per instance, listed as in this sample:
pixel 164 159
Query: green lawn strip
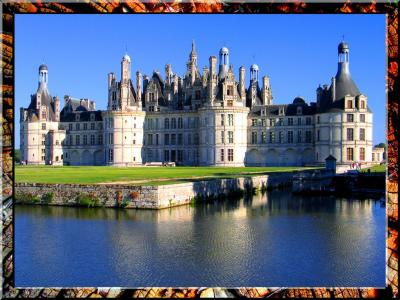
pixel 105 174
pixel 377 168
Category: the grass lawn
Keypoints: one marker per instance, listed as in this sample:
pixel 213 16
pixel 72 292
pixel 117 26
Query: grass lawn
pixel 135 175
pixel 377 168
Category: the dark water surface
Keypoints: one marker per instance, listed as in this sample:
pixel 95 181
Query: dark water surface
pixel 270 240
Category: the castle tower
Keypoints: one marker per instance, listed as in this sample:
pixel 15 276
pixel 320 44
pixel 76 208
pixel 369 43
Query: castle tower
pixel 139 88
pixel 192 64
pixel 212 82
pixel 266 91
pixel 254 73
pixel 242 88
pixel 125 82
pixel 223 62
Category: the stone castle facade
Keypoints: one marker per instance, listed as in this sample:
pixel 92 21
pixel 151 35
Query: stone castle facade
pixel 205 118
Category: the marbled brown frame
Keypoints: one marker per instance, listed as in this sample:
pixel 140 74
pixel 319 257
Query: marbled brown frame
pixel 210 6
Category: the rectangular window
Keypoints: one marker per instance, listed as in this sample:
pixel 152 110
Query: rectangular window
pixel 92 139
pixel 77 140
pixel 263 122
pixel 77 126
pixel 70 140
pixel 166 139
pixel 290 137
pixel 254 137
pixel 180 122
pixel 362 134
pixel 173 123
pixel 254 122
pixel 166 155
pixel 166 123
pixel 69 126
pixel 299 136
pixel 362 105
pixel 189 139
pixel 85 139
pixel 84 126
pixel 349 104
pixel 298 121
pixel 290 121
pixel 318 135
pixel 272 137
pixel 197 95
pixel 222 137
pixel 280 122
pixel 318 119
pixel 196 138
pixel 150 139
pixel 111 138
pixel 229 90
pixel 43 126
pixel 230 137
pixel 263 137
pixel 222 120
pixel 230 154
pixel 308 137
pixel 272 122
pixel 230 119
pixel 362 153
pixel 308 121
pixel 350 136
pixel 110 155
pixel 362 118
pixel 157 139
pixel 229 103
pixel 280 138
pixel 350 118
pixel 222 154
pixel 173 139
pixel 350 154
pixel 180 139
pixel 91 126
pixel 100 139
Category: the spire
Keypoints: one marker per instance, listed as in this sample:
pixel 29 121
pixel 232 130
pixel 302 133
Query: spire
pixel 193 53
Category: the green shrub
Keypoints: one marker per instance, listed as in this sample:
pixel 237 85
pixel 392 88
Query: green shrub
pixel 27 198
pixel 124 203
pixel 87 200
pixel 48 197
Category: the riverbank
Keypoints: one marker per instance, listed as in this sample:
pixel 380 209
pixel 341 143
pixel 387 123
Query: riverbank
pixel 149 197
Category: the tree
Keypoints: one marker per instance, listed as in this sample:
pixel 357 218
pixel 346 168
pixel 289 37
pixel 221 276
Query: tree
pixel 380 145
pixel 17 155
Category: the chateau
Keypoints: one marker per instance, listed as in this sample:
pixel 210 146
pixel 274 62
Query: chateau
pixel 204 118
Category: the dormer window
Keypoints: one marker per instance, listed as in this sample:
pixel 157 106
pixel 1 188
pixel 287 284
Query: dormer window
pixel 229 90
pixel 77 117
pixel 281 111
pixel 197 95
pixel 151 96
pixel 299 110
pixel 92 117
pixel 349 104
pixel 362 105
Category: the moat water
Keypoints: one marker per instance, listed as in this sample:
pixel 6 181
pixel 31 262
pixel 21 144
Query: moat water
pixel 275 239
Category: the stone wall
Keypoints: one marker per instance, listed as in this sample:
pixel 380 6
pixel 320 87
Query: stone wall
pixel 151 197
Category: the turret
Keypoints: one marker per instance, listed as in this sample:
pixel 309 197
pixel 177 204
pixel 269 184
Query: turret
pixel 266 91
pixel 212 83
pixel 43 76
pixel 168 74
pixel 125 69
pixel 205 76
pixel 223 62
pixel 57 108
pixel 139 88
pixel 254 73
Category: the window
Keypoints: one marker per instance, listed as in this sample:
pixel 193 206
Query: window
pixel 166 123
pixel 308 121
pixel 373 156
pixel 44 115
pixel 166 155
pixel 100 139
pixel 318 119
pixel 230 119
pixel 229 103
pixel 350 153
pixel 272 122
pixel 308 136
pixel 254 137
pixel 180 122
pixel 350 136
pixel 263 122
pixel 222 120
pixel 362 106
pixel 69 126
pixel 157 124
pixel 230 137
pixel 77 140
pixel 254 122
pixel 111 138
pixel 299 110
pixel 173 139
pixel 196 138
pixel 151 96
pixel 290 137
pixel 362 134
pixel 180 139
pixel 222 154
pixel 298 121
pixel 222 137
pixel 280 138
pixel 91 126
pixel 110 155
pixel 230 154
pixel 77 126
pixel 173 123
pixel 272 137
pixel 70 140
pixel 318 135
pixel 362 153
pixel 150 139
pixel 229 90
pixel 157 139
pixel 299 136
pixel 166 139
pixel 85 139
pixel 189 139
pixel 349 104
pixel 43 126
pixel 350 118
pixel 362 118
pixel 263 137
pixel 92 139
pixel 197 95
pixel 290 121
pixel 280 122
pixel 84 126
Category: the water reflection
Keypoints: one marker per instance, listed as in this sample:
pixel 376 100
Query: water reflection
pixel 272 239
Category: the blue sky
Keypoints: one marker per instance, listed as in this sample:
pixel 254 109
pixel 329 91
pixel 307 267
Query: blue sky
pixel 297 52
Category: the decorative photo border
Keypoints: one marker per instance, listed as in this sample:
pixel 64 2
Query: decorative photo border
pixel 10 8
